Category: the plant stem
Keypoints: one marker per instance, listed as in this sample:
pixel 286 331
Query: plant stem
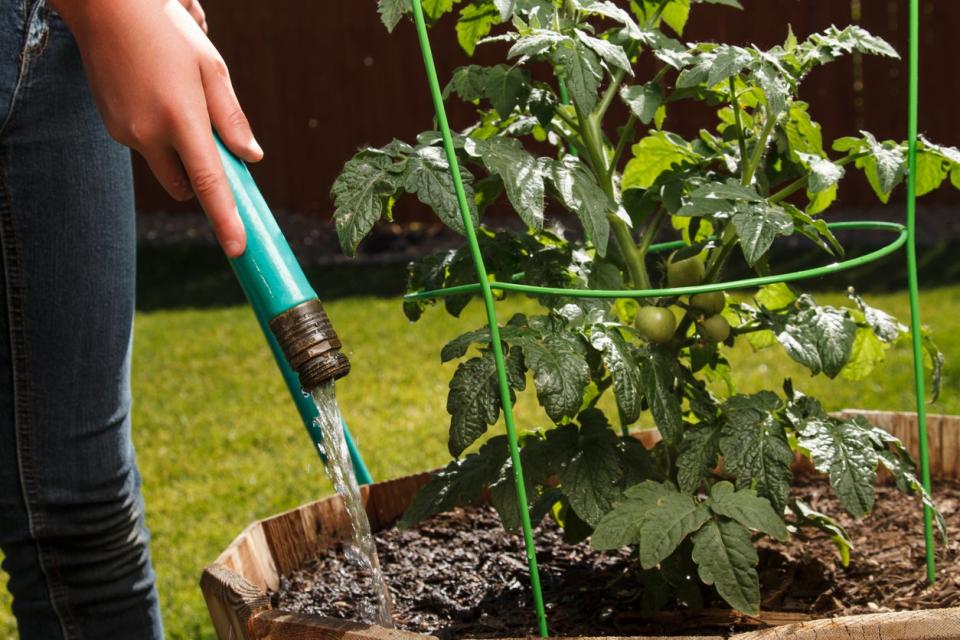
pixel 651 231
pixel 625 136
pixel 751 167
pixel 567 120
pixel 802 181
pixel 592 137
pixel 735 102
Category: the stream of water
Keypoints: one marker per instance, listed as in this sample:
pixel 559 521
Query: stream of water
pixel 362 548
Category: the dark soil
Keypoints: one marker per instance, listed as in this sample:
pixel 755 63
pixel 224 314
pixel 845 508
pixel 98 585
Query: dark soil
pixel 460 575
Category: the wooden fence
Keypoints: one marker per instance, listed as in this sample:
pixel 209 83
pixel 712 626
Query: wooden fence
pixel 318 78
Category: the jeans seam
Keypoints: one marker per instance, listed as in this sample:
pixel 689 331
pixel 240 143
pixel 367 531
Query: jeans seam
pixel 23 422
pixel 35 12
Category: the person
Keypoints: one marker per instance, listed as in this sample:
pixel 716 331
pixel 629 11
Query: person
pixel 81 80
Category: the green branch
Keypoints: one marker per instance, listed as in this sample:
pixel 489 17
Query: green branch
pixel 735 102
pixel 751 167
pixel 802 181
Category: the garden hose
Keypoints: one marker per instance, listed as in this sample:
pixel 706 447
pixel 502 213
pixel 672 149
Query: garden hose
pixel 301 338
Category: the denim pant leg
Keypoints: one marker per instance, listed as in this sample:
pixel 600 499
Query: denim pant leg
pixel 71 511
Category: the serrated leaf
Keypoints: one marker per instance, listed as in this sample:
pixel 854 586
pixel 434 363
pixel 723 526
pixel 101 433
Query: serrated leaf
pixel 725 558
pixel 608 9
pixel 582 196
pixel 434 9
pixel 361 196
pixel 507 88
pixel 844 452
pixel 727 61
pixel 659 378
pixel 506 8
pixel 621 525
pixel 672 518
pixel 590 478
pixel 459 483
pixel 809 517
pixel 659 152
pixel 457 348
pixel 612 54
pixel 755 448
pixel 675 14
pixel 428 176
pixel 757 227
pixel 643 100
pixel 476 20
pixel 474 399
pixel 820 338
pixel 618 360
pixel 725 191
pixel 776 89
pixel 867 353
pixel 747 508
pixel 823 173
pixel 903 470
pixel 536 464
pixel 391 12
pixel 698 455
pixel 560 374
pixel 537 42
pixel 776 296
pixel 887 328
pixel 522 177
pixel 803 134
pixel 580 68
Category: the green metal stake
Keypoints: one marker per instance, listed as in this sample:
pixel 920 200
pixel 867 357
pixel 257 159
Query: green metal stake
pixel 915 326
pixel 488 301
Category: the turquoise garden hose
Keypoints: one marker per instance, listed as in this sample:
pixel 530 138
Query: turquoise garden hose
pixel 905 236
pixel 274 284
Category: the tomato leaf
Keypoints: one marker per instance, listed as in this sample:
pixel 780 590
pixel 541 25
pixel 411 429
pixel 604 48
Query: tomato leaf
pixel 748 509
pixel 726 559
pixel 474 398
pixel 843 450
pixel 582 196
pixel 522 174
pixel 755 448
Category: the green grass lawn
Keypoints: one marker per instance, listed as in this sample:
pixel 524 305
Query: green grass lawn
pixel 220 445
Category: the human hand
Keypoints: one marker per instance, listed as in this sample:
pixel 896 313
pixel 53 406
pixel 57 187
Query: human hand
pixel 160 84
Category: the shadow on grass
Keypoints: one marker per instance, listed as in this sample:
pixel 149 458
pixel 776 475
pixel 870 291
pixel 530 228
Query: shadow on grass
pixel 191 276
pixel 173 277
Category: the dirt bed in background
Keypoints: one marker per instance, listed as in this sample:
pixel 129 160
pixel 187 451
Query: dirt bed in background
pixel 460 574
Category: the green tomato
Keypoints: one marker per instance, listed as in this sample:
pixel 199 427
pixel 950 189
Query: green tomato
pixel 710 303
pixel 656 324
pixel 686 272
pixel 715 329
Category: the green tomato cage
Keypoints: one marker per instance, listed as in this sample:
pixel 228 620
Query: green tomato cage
pixel 902 235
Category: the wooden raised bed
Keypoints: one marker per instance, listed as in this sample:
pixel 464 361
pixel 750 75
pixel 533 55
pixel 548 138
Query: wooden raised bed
pixel 236 585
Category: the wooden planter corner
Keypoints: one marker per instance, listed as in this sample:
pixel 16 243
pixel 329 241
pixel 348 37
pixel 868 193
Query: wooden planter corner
pixel 237 584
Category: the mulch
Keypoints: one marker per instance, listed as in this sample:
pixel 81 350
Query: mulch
pixel 460 575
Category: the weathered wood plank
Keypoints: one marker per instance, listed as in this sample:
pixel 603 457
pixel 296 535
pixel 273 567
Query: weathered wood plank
pixel 941 624
pixel 232 600
pixel 280 625
pixel 950 446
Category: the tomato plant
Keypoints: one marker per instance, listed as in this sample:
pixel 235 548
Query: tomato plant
pixel 720 476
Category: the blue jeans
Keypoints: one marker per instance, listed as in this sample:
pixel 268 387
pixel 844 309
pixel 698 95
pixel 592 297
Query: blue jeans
pixel 71 512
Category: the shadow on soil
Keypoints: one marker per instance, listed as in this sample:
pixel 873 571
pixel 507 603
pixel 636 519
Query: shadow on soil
pixel 192 276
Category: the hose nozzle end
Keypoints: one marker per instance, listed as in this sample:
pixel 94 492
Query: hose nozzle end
pixel 310 344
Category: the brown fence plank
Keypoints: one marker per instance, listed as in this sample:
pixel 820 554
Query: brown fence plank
pixel 318 78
